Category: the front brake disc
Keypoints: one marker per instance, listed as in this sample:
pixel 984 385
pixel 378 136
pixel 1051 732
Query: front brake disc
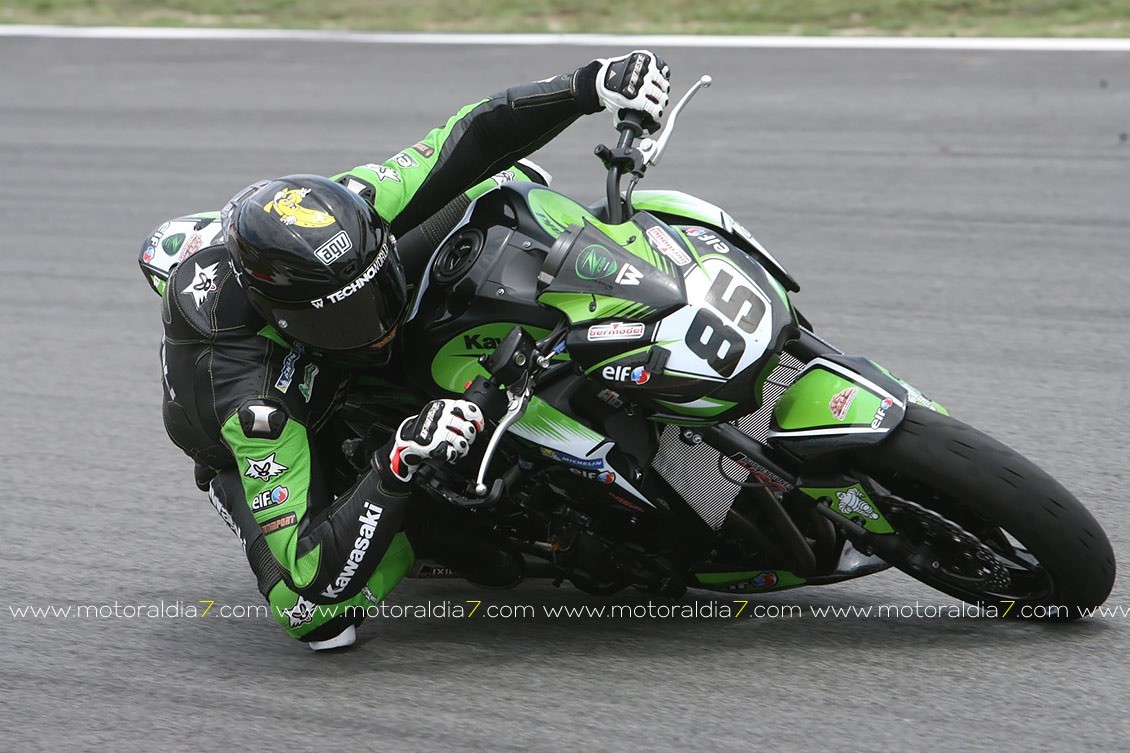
pixel 952 554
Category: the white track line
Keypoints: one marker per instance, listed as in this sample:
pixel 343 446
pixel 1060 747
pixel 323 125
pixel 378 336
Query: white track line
pixel 657 41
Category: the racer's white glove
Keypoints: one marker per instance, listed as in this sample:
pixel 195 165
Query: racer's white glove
pixel 443 429
pixel 637 81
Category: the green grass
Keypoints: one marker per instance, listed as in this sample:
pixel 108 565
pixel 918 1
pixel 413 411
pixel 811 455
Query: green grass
pixel 1070 18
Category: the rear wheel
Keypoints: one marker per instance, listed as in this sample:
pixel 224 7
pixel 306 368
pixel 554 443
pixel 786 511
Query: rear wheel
pixel 985 525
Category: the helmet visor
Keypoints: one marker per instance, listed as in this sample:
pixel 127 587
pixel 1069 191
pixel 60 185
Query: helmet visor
pixel 358 315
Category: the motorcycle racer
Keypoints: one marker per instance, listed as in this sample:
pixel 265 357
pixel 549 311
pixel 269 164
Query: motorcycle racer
pixel 301 289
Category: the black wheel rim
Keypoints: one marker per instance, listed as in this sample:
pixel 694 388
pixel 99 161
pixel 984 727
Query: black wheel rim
pixel 987 564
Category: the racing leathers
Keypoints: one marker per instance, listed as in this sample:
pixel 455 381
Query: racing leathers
pixel 258 412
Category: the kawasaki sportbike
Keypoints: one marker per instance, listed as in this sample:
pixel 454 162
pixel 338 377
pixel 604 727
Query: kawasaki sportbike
pixel 667 419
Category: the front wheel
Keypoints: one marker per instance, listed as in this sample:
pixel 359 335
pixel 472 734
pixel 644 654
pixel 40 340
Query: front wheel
pixel 980 522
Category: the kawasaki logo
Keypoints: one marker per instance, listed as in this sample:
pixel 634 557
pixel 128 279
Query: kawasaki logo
pixel 478 342
pixel 594 263
pixel 368 519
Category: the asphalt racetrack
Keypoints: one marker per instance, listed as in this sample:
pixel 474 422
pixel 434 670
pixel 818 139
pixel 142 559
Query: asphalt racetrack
pixel 961 217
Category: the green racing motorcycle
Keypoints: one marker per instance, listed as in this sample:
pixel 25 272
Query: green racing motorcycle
pixel 663 417
pixel 667 419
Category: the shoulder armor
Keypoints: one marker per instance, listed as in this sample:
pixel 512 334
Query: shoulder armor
pixel 193 292
pixel 359 186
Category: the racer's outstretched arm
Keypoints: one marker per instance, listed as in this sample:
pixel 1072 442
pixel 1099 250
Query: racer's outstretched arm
pixel 487 136
pixel 491 134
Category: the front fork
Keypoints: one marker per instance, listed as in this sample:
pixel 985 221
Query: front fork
pixel 837 403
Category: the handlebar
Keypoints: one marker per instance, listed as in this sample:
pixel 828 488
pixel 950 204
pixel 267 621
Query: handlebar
pixel 627 157
pixel 630 127
pixel 624 158
pixel 514 363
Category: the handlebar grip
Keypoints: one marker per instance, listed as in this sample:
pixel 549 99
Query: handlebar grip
pixel 630 126
pixel 488 396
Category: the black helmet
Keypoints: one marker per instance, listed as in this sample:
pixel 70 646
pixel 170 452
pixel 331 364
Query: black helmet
pixel 317 261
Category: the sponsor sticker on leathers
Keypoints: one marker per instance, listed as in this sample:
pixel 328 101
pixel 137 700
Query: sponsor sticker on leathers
pixel 279 523
pixel 203 284
pixel 265 469
pixel 301 613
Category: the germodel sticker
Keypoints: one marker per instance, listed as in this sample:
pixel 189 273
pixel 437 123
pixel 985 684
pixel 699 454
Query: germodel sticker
pixel 616 331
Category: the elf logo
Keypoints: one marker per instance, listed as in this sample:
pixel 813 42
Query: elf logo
pixel 634 374
pixel 880 414
pixel 270 498
pixel 603 477
pixel 709 238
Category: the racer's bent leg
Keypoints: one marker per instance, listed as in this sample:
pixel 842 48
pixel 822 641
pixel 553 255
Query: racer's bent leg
pixel 301 618
pixel 307 621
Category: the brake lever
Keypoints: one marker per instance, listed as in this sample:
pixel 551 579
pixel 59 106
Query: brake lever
pixel 652 149
pixel 516 407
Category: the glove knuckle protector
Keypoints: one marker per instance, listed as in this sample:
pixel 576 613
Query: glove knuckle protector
pixel 637 81
pixel 443 429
